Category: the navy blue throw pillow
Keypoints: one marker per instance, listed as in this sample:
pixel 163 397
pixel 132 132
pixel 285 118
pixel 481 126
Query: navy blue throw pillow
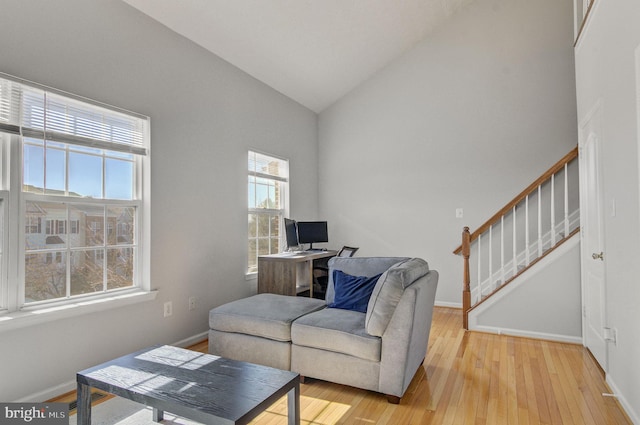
pixel 352 292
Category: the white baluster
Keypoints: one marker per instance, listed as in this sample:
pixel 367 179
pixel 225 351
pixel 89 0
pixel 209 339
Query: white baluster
pixel 540 221
pixel 553 210
pixel 479 286
pixel 526 231
pixel 566 200
pixel 490 280
pixel 502 249
pixel 515 251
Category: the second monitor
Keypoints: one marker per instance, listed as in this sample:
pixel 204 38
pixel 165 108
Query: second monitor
pixel 312 232
pixel 291 233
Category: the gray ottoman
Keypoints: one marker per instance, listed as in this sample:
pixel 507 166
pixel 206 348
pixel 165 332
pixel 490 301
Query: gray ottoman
pixel 257 329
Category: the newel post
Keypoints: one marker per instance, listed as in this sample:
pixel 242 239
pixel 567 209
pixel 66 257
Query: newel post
pixel 466 279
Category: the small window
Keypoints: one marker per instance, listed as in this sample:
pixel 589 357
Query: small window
pixel 33 224
pixel 268 199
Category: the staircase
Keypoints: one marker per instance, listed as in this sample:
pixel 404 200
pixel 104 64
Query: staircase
pixel 535 223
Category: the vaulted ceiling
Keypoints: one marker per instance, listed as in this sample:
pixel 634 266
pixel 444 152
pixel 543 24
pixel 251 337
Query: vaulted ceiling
pixel 313 51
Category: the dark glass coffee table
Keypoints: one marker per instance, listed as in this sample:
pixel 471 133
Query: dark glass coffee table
pixel 197 386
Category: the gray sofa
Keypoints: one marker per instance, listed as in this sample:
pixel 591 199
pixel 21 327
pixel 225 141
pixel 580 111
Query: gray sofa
pixel 379 350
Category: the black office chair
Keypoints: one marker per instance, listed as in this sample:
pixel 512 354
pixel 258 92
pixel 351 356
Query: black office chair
pixel 321 271
pixel 347 251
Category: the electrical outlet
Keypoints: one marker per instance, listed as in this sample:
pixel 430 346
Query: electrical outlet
pixel 168 309
pixel 459 213
pixel 192 303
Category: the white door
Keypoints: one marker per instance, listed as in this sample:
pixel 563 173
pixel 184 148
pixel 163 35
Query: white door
pixel 593 257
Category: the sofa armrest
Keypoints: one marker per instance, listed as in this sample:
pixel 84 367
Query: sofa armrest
pixel 405 341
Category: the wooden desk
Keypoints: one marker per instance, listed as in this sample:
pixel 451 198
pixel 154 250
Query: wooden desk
pixel 288 273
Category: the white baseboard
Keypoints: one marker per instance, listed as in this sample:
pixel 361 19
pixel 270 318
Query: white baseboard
pixel 192 340
pixel 49 393
pixel 628 409
pixel 447 304
pixel 58 390
pixel 528 334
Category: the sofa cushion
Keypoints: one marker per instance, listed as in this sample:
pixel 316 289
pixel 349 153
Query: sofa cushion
pixel 263 315
pixel 388 290
pixel 249 348
pixel 352 292
pixel 358 266
pixel 340 331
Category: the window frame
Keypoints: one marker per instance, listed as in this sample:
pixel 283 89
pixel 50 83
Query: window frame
pixel 13 201
pixel 4 247
pixel 281 212
pixel 64 228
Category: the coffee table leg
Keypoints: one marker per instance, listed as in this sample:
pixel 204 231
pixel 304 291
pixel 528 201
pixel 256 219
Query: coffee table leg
pixel 84 404
pixel 158 415
pixel 293 404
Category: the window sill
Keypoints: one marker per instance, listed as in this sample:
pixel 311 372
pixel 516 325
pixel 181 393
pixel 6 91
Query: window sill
pixel 31 317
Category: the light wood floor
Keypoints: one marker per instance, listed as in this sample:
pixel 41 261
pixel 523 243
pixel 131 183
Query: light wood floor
pixel 471 378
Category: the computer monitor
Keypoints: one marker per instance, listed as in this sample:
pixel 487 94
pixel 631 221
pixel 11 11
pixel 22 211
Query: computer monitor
pixel 291 233
pixel 312 231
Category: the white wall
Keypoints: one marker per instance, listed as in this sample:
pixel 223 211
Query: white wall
pixel 608 69
pixel 205 114
pixel 468 118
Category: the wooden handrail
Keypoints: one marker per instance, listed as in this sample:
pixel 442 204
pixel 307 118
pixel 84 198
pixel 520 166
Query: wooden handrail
pixel 515 201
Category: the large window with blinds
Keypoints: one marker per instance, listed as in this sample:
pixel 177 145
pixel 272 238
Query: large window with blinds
pixel 268 203
pixel 73 193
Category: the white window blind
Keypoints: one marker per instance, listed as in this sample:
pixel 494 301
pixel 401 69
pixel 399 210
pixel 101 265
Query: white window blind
pixel 9 106
pixel 44 114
